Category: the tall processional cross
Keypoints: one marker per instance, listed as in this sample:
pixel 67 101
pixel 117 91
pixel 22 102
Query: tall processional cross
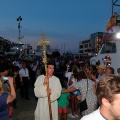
pixel 44 42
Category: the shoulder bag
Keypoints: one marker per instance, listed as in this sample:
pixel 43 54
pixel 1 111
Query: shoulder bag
pixel 83 104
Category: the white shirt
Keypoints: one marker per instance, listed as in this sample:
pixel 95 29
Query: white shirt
pixel 93 116
pixel 68 74
pixel 19 65
pixel 74 82
pixel 100 76
pixel 34 67
pixel 24 72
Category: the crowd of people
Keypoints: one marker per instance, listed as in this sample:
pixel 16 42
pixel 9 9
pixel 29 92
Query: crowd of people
pixel 98 85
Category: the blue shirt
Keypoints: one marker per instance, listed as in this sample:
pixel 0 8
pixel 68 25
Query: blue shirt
pixel 4 107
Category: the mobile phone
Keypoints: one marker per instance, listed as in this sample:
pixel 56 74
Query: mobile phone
pixel 5 78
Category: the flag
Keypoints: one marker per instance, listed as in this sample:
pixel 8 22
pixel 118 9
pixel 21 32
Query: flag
pixel 111 23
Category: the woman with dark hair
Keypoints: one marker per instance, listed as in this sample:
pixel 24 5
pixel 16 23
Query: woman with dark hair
pixel 85 86
pixel 70 69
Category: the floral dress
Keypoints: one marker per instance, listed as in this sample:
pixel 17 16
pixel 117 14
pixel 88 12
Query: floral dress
pixel 90 96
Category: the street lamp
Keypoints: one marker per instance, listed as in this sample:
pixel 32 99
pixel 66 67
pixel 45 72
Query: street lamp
pixel 19 27
pixel 19 19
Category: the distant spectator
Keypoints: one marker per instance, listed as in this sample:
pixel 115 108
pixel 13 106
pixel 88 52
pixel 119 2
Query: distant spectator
pixel 118 72
pixel 94 76
pixel 24 79
pixel 109 71
pixel 101 71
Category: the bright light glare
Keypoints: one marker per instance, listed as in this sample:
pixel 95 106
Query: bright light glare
pixel 118 35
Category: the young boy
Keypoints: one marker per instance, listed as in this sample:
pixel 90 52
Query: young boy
pixel 63 103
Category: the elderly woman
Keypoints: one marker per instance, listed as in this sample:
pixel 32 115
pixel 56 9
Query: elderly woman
pixel 86 87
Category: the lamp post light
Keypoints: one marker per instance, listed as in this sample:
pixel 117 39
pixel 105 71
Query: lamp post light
pixel 19 19
pixel 19 27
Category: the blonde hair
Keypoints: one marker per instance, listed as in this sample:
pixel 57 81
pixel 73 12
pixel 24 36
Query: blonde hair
pixel 1 85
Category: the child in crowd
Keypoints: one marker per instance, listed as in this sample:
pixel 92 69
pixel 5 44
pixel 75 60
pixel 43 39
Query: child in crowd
pixel 73 95
pixel 63 103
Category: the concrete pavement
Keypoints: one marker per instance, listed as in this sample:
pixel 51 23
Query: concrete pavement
pixel 25 109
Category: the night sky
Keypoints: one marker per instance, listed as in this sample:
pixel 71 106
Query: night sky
pixel 66 22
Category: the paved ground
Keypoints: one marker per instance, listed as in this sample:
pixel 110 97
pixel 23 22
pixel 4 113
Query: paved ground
pixel 26 108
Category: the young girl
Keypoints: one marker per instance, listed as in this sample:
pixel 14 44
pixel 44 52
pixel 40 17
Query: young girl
pixel 5 99
pixel 73 95
pixel 63 103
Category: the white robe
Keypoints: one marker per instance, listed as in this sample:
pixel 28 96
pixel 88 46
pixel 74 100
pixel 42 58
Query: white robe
pixel 42 109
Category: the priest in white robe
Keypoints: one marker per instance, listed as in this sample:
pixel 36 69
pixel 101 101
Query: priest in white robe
pixel 40 90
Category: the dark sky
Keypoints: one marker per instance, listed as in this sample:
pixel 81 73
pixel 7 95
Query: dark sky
pixel 63 21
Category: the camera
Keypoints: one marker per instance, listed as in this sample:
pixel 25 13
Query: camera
pixel 5 78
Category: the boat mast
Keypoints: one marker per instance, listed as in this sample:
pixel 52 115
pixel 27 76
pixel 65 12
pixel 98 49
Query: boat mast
pixel 114 3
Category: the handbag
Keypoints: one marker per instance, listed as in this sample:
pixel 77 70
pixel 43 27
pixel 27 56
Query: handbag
pixel 83 105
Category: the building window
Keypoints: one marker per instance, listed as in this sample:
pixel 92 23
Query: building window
pixel 89 44
pixel 81 51
pixel 86 46
pixel 86 41
pixel 108 48
pixel 81 46
pixel 86 50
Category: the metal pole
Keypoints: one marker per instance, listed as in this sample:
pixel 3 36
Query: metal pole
pixel 19 35
pixel 19 29
pixel 112 7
